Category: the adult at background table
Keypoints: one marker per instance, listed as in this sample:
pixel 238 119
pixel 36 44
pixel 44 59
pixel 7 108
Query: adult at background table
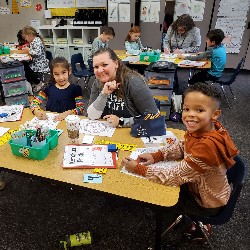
pixel 118 93
pixel 182 36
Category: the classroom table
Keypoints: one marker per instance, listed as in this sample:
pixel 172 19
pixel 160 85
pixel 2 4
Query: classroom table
pixel 114 182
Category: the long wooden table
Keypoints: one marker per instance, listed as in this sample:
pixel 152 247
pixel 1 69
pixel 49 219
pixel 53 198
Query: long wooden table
pixel 114 182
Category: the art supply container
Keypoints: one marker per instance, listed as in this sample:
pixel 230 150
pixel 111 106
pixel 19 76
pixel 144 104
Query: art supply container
pixel 73 126
pixel 19 138
pixel 38 144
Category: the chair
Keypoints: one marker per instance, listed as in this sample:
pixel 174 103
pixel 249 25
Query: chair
pixel 229 79
pixel 76 60
pixel 236 176
pixel 49 55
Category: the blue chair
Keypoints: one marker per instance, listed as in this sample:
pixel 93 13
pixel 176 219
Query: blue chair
pixel 236 176
pixel 79 69
pixel 228 79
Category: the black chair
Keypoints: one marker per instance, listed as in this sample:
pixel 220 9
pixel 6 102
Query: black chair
pixel 49 55
pixel 79 69
pixel 236 176
pixel 226 79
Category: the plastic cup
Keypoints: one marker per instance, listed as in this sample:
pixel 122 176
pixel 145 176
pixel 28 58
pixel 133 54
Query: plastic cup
pixel 19 138
pixel 38 144
pixel 73 126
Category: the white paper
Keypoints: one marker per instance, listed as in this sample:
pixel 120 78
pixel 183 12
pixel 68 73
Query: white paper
pixel 50 123
pixel 14 113
pixel 3 131
pixel 124 12
pixel 87 139
pixel 101 128
pixel 113 12
pixel 163 164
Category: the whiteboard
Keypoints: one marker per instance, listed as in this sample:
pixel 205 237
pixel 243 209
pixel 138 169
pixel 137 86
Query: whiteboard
pixel 91 3
pixel 60 3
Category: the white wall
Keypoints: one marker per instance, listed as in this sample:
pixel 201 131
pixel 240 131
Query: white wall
pixel 11 24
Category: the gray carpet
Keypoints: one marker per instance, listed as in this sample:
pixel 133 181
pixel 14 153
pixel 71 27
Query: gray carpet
pixel 36 215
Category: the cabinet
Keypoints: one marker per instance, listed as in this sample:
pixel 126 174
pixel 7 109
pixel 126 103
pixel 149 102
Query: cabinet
pixel 161 85
pixel 68 40
pixel 13 84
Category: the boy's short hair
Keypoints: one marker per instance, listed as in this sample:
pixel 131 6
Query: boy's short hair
pixel 216 35
pixel 205 89
pixel 108 31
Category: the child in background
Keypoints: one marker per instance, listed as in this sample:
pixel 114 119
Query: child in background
pixel 206 153
pixel 34 70
pixel 216 53
pixel 102 40
pixel 133 43
pixel 22 43
pixel 107 33
pixel 62 97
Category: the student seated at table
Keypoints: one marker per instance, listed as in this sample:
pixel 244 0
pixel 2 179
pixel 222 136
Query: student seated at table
pixel 35 69
pixel 182 36
pixel 206 153
pixel 133 43
pixel 118 93
pixel 62 97
pixel 216 53
pixel 22 43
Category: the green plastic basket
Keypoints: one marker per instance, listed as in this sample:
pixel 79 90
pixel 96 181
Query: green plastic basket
pixel 32 152
pixel 149 56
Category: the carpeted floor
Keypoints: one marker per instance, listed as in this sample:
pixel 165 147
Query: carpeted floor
pixel 36 215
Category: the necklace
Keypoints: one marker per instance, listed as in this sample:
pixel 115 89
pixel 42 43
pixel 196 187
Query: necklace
pixel 177 42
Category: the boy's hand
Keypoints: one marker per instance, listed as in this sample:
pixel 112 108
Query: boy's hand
pixel 40 114
pixel 177 51
pixel 180 56
pixel 113 120
pixel 145 159
pixel 129 164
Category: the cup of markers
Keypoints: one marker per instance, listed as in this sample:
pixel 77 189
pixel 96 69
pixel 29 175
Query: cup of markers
pixel 19 138
pixel 39 139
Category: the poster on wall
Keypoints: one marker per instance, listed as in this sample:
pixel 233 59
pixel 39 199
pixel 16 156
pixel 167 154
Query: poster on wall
pixel 119 11
pixel 26 3
pixel 195 8
pixel 232 20
pixel 150 11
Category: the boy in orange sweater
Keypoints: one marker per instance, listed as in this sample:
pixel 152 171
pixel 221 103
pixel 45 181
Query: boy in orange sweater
pixel 206 153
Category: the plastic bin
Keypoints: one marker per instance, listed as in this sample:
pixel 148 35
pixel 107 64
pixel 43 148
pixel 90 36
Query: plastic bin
pixel 12 72
pixel 32 152
pixel 18 100
pixel 15 88
pixel 149 56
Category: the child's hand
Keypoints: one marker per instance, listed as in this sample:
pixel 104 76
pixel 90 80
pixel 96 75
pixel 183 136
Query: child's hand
pixel 61 116
pixel 40 114
pixel 177 51
pixel 145 159
pixel 180 56
pixel 129 164
pixel 109 87
pixel 113 120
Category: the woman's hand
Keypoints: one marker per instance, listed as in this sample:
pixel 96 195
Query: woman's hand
pixel 177 51
pixel 167 51
pixel 40 114
pixel 113 120
pixel 129 164
pixel 109 87
pixel 145 159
